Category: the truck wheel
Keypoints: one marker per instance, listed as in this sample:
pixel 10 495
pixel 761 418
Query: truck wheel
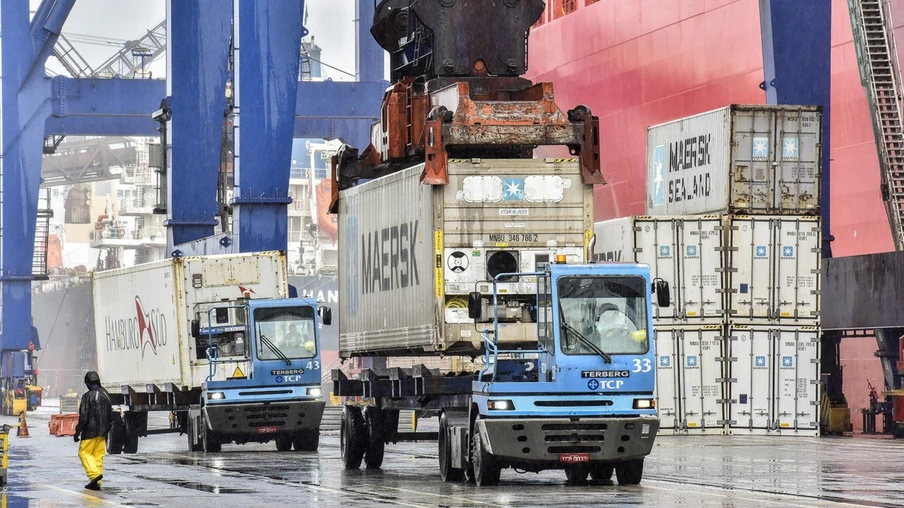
pixel 306 440
pixel 629 472
pixel 576 474
pixel 446 471
pixel 602 472
pixel 351 437
pixel 209 438
pixel 115 438
pixel 283 442
pixel 373 456
pixel 486 470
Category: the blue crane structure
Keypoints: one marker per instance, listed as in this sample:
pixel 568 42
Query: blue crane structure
pixel 797 63
pixel 270 107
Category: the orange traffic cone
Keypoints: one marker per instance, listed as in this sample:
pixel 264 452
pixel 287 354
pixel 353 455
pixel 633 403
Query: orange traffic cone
pixel 23 426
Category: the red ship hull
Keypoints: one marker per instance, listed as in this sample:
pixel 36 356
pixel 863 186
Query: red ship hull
pixel 638 63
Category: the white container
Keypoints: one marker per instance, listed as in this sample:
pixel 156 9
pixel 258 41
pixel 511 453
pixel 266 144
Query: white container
pixel 410 253
pixel 687 252
pixel 737 159
pixel 689 379
pixel 773 380
pixel 773 264
pixel 143 314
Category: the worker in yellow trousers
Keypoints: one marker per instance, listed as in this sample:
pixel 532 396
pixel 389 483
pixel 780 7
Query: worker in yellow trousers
pixel 95 419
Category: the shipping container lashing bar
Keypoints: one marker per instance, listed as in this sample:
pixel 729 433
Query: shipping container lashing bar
pixel 213 353
pixel 492 344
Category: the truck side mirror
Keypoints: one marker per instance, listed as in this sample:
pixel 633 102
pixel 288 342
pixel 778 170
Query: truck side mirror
pixel 195 328
pixel 326 315
pixel 663 293
pixel 474 305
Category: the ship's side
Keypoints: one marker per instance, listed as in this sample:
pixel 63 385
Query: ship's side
pixel 645 62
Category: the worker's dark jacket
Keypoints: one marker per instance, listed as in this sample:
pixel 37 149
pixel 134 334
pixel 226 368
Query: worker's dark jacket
pixel 95 414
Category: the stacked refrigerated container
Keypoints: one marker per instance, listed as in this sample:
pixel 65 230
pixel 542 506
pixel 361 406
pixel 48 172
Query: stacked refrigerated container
pixel 733 224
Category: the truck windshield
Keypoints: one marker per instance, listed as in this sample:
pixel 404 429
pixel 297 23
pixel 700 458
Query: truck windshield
pixel 285 333
pixel 609 312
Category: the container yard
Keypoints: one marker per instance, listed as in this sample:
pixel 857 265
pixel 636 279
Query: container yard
pixel 440 253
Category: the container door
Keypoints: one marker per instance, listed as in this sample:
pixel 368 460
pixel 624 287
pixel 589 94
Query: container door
pixel 797 380
pixel 749 379
pixel 750 267
pixel 667 362
pixel 751 179
pixel 701 378
pixel 797 155
pixel 797 254
pixel 701 288
pixel 656 244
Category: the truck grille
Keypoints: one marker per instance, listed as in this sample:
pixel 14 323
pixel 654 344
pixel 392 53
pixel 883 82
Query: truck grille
pixel 266 416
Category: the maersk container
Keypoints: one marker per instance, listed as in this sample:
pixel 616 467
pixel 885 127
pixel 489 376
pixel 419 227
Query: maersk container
pixel 143 315
pixel 689 379
pixel 685 251
pixel 410 253
pixel 751 159
pixel 773 380
pixel 774 264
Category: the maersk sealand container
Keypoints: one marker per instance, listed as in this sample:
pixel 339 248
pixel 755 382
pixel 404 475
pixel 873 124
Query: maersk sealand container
pixel 410 253
pixel 739 159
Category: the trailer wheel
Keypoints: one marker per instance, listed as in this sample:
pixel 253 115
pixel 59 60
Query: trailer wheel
pixel 115 438
pixel 373 456
pixel 486 470
pixel 351 437
pixel 576 474
pixel 602 472
pixel 131 432
pixel 209 438
pixel 446 471
pixel 306 440
pixel 283 442
pixel 629 472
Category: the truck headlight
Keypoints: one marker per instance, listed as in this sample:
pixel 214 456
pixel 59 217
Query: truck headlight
pixel 216 395
pixel 501 405
pixel 644 403
pixel 315 392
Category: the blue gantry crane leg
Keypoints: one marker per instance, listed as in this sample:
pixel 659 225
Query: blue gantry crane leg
pixel 25 105
pixel 198 65
pixel 266 38
pixel 797 46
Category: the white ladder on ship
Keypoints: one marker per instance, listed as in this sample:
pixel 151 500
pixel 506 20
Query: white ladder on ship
pixel 880 75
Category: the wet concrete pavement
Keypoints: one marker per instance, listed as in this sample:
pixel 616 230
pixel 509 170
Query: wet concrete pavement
pixel 711 471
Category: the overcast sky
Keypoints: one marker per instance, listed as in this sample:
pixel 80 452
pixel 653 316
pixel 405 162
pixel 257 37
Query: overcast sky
pixel 330 22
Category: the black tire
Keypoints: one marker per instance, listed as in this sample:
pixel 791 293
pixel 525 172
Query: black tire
pixel 209 439
pixel 600 473
pixel 486 470
pixel 629 472
pixel 283 442
pixel 132 430
pixel 446 471
pixel 306 440
pixel 116 436
pixel 576 474
pixel 373 456
pixel 352 437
